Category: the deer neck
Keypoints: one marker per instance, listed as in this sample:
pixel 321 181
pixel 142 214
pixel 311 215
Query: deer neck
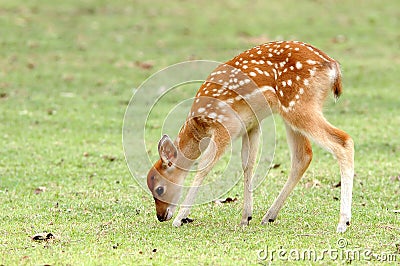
pixel 187 142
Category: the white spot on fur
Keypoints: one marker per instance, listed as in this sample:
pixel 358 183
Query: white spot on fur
pixel 212 115
pixel 267 88
pixel 275 74
pixel 299 65
pixel 258 70
pixel 285 108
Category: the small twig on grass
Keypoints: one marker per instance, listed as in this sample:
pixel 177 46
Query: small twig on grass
pixel 389 227
pixel 306 235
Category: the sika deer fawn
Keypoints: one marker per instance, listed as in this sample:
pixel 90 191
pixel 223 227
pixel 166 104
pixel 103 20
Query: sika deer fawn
pixel 290 78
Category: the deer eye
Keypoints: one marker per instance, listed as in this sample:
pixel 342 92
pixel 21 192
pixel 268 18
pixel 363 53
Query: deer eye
pixel 160 191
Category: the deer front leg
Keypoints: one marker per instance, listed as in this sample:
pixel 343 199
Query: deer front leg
pixel 188 202
pixel 250 142
pixel 210 156
pixel 192 193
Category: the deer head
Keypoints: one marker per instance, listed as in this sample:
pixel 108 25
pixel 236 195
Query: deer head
pixel 165 179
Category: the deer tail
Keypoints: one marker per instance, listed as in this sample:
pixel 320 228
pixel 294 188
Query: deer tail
pixel 337 87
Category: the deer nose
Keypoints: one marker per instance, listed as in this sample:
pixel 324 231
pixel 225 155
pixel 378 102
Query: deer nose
pixel 161 218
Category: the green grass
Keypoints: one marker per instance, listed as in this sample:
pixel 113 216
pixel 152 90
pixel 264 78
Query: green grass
pixel 66 76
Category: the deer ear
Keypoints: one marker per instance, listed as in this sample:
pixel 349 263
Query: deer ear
pixel 167 150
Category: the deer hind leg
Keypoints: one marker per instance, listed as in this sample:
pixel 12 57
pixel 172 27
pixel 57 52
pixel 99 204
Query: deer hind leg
pixel 340 144
pixel 210 157
pixel 301 156
pixel 250 142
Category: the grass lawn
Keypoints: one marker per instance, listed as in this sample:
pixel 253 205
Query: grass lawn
pixel 67 71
